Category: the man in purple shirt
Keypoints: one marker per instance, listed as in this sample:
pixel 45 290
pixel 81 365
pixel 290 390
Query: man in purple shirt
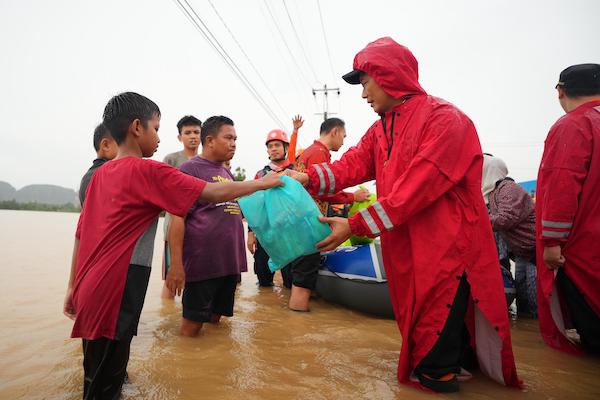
pixel 208 247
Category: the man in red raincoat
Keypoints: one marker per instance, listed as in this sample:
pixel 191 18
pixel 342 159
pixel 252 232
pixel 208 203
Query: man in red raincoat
pixel 568 216
pixel 437 243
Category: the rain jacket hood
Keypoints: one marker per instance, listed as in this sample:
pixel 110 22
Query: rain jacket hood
pixel 392 65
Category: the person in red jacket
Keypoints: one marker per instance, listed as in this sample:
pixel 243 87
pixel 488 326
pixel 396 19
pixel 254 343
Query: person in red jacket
pixel 568 216
pixel 304 270
pixel 437 243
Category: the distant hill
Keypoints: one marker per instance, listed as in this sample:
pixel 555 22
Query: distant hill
pixel 46 194
pixel 7 191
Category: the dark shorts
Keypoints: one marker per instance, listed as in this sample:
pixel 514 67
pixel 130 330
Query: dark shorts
pixel 202 299
pixel 132 301
pixel 305 270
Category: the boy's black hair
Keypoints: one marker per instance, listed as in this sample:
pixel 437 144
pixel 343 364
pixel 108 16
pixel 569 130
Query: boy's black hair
pixel 100 133
pixel 211 126
pixel 331 123
pixel 188 120
pixel 123 109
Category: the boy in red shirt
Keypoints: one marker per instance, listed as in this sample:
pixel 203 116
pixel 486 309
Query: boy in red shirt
pixel 106 292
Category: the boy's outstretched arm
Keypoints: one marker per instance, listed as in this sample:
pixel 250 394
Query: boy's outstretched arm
pixel 176 275
pixel 68 308
pixel 224 191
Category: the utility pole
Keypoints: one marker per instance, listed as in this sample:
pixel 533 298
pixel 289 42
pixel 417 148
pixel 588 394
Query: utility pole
pixel 325 91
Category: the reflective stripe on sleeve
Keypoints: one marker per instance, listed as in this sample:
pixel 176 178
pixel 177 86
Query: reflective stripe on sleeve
pixel 370 221
pixel 321 179
pixel 554 224
pixel 387 223
pixel 331 178
pixel 552 234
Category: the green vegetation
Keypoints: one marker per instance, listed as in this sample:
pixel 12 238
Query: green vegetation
pixel 240 174
pixel 35 206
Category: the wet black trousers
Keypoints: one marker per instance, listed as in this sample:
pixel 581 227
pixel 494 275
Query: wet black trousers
pixel 261 266
pixel 583 317
pixel 452 350
pixel 264 274
pixel 104 366
pixel 105 360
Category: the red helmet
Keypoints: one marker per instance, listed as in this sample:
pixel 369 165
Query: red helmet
pixel 277 134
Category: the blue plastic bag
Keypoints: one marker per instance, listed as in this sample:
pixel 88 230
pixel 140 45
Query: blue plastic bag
pixel 285 221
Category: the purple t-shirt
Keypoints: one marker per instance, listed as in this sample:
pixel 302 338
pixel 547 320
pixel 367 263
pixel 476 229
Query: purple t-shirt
pixel 214 243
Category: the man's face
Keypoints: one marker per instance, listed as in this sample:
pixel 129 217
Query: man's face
pixel 276 150
pixel 375 95
pixel 148 139
pixel 190 137
pixel 338 134
pixel 222 146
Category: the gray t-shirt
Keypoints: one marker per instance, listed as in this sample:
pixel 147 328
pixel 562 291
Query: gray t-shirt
pixel 174 160
pixel 144 247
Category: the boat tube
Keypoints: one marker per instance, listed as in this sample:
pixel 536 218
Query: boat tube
pixel 354 277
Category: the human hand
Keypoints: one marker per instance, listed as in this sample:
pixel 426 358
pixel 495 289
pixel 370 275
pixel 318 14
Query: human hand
pixel 553 257
pixel 299 176
pixel 68 308
pixel 340 228
pixel 251 242
pixel 298 122
pixel 361 195
pixel 175 278
pixel 270 180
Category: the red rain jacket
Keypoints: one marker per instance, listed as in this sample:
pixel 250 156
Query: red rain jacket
pixel 568 214
pixel 426 159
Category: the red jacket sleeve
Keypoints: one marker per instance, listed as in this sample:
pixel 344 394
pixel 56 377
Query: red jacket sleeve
pixel 564 167
pixel 448 149
pixel 356 166
pixel 339 198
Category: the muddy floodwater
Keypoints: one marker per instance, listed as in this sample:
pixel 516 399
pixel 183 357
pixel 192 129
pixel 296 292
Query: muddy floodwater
pixel 263 352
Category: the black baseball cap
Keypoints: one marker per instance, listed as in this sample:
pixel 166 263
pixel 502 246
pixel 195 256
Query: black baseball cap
pixel 581 77
pixel 353 77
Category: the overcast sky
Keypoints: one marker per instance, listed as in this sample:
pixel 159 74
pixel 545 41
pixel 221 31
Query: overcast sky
pixel 62 60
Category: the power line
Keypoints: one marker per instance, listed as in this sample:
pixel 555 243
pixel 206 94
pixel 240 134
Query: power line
pixel 326 42
pixel 248 58
pixel 239 72
pixel 292 78
pixel 227 59
pixel 296 63
pixel 310 66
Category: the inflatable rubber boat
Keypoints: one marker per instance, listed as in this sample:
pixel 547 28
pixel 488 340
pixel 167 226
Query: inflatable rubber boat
pixel 354 277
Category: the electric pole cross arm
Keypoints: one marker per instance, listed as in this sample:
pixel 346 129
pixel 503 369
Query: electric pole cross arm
pixel 325 90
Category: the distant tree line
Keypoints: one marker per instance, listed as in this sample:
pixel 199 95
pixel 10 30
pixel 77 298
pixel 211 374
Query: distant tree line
pixel 35 206
pixel 240 174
